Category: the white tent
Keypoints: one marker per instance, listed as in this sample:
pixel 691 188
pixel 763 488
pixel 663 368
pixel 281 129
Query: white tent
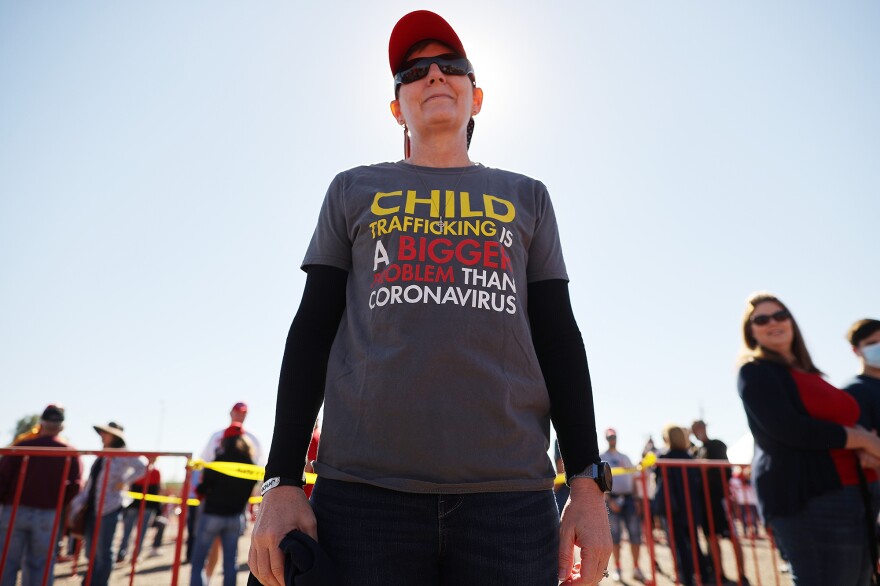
pixel 742 451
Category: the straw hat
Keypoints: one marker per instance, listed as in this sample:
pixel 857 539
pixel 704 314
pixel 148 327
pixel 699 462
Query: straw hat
pixel 112 428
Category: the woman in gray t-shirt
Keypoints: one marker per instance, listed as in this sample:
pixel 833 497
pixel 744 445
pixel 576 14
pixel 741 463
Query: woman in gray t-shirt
pixel 437 328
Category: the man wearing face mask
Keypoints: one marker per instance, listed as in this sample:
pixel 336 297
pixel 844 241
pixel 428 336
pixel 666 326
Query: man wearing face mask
pixel 864 335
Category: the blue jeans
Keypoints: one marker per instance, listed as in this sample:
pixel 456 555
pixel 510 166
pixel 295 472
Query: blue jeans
pixel 827 542
pixel 210 527
pixel 129 520
pixel 31 543
pixel 625 517
pixel 102 565
pixel 379 537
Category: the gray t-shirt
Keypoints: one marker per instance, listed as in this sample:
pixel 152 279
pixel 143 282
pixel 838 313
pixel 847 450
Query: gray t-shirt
pixel 433 384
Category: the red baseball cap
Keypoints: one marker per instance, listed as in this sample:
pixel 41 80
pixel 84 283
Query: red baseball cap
pixel 234 430
pixel 419 26
pixel 610 432
pixel 240 407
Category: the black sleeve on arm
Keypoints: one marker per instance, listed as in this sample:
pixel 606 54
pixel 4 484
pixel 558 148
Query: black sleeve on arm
pixel 304 369
pixel 560 349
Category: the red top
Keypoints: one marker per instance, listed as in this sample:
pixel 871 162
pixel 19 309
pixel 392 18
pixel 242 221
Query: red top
pixel 828 403
pixel 155 479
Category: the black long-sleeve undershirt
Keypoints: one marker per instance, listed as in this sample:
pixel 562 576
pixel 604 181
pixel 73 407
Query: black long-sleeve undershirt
pixel 557 340
pixel 563 359
pixel 304 369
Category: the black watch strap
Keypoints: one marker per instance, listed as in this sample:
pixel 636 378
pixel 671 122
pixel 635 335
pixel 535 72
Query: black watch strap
pixel 600 472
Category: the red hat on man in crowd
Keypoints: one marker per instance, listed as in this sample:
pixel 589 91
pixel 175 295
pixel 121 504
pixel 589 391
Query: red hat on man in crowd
pixel 234 430
pixel 240 406
pixel 610 432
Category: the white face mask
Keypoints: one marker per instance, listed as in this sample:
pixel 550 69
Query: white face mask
pixel 871 354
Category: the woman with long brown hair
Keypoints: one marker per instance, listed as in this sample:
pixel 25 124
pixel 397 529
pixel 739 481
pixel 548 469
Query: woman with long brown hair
pixel 808 451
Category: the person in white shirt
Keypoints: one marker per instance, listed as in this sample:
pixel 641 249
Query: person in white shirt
pixel 623 507
pixel 236 415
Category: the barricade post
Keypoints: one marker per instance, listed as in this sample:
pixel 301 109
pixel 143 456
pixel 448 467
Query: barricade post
pixel 62 490
pixel 710 517
pixel 142 507
pixel 691 526
pixel 181 522
pixel 15 500
pixel 647 516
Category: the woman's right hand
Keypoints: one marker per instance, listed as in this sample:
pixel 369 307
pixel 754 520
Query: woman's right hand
pixel 284 509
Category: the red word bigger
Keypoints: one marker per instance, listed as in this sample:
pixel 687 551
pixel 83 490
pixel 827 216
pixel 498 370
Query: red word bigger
pixel 441 250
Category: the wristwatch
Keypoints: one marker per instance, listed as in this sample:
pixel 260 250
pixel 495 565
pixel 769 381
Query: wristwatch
pixel 600 472
pixel 279 481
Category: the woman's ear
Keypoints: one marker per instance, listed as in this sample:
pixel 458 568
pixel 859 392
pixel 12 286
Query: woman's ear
pixel 396 112
pixel 478 101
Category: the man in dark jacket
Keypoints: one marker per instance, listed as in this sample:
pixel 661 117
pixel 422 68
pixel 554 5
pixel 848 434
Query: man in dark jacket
pixel 33 538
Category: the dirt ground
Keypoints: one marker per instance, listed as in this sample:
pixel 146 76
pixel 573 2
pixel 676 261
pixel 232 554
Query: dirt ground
pixel 760 563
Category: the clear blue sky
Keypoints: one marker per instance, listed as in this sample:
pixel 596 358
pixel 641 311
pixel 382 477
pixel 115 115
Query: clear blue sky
pixel 162 165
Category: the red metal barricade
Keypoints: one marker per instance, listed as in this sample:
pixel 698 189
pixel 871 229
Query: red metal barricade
pixel 27 453
pixel 752 554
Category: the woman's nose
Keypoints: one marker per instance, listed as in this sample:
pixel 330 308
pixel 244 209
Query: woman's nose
pixel 434 73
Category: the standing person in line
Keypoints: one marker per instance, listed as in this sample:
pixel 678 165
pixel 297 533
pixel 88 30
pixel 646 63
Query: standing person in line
pixel 120 471
pixel 237 415
pixel 150 483
pixel 32 540
pixel 864 337
pixel 437 327
pixel 624 508
pixel 807 451
pixel 224 499
pixel 715 449
pixel 676 520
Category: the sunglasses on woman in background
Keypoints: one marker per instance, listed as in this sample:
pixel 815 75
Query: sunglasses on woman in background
pixel 763 320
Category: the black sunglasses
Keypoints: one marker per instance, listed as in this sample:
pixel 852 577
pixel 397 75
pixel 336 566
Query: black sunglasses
pixel 449 64
pixel 763 320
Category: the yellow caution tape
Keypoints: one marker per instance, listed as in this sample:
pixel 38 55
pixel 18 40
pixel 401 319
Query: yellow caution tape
pixel 238 470
pixel 246 471
pixel 234 469
pixel 158 498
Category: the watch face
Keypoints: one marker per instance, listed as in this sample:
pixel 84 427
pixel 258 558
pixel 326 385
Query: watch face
pixel 607 477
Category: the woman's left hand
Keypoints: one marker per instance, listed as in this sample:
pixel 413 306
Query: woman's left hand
pixel 584 524
pixel 867 460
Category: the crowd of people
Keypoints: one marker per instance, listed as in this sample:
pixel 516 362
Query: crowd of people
pixel 98 505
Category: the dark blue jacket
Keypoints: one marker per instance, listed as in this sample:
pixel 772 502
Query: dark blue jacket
pixel 677 494
pixel 866 391
pixel 792 462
